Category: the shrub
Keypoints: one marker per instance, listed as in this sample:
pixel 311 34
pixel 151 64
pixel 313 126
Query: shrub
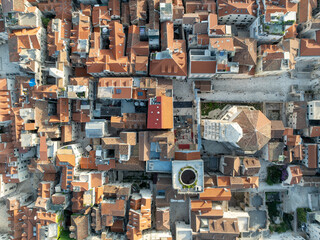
pixel 271 228
pixel 284 173
pixel 272 209
pixel 281 228
pixel 302 214
pixel 274 175
pixel 45 22
pixel 65 235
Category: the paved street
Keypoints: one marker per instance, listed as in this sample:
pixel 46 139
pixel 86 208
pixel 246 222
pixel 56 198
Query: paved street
pixel 297 198
pixel 3 217
pixel 183 90
pixel 255 89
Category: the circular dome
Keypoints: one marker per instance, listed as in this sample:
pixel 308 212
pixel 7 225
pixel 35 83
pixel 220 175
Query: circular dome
pixel 188 176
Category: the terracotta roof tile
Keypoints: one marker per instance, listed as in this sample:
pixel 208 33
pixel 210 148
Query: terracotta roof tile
pixel 175 64
pixel 256 128
pixel 228 7
pixel 116 209
pixel 214 27
pixel 310 47
pixel 198 6
pixel 312 156
pixel 222 44
pixel 21 39
pixel 66 158
pixel 203 67
pixel 198 205
pixel 246 51
pixel 296 174
pixel 314 131
pixel 160 113
pixel 100 16
pixel 216 194
pixel 112 59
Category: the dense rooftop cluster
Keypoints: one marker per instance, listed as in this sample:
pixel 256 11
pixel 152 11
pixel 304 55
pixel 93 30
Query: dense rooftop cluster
pixel 94 143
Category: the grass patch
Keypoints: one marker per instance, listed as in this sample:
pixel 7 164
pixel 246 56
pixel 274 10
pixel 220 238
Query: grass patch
pixel 207 107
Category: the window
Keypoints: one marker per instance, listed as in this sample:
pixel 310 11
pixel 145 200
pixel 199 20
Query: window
pixel 140 94
pixel 118 91
pixel 161 193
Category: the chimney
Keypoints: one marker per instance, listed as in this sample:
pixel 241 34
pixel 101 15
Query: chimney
pixel 214 223
pixel 224 224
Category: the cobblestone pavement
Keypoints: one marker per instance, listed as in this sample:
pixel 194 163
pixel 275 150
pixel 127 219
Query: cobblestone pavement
pixel 256 89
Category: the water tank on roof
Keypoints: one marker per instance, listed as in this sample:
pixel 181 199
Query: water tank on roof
pixel 49 143
pixel 136 104
pixel 32 82
pixel 142 104
pixel 105 30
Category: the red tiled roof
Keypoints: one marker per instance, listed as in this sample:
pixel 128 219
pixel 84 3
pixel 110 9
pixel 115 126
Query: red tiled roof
pixel 228 7
pixel 203 67
pixel 214 28
pixel 160 113
pixel 312 156
pixel 222 44
pixel 100 16
pixel 314 131
pixel 112 59
pixel 296 174
pixel 198 205
pixel 305 10
pixel 22 39
pixel 116 209
pixel 310 47
pixel 176 64
pixel 216 194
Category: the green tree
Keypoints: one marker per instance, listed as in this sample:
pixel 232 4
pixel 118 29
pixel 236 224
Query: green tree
pixel 45 22
pixel 274 175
